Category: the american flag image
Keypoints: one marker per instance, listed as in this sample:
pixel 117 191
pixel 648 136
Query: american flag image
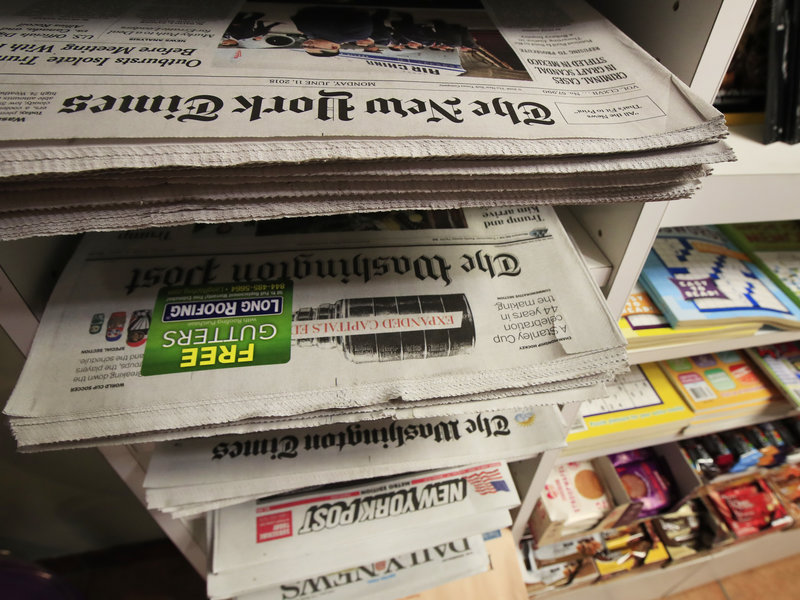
pixel 488 482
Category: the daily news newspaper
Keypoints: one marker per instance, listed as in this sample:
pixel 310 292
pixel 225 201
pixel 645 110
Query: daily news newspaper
pixel 183 474
pixel 198 326
pixel 546 77
pixel 269 539
pixel 388 578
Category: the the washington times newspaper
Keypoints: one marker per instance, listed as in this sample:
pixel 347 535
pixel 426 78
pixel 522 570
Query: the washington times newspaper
pixel 185 329
pixel 289 538
pixel 184 474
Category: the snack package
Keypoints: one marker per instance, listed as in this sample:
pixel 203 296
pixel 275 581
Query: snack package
pixel 630 548
pixel 630 456
pixel 750 508
pixel 746 455
pixel 573 570
pixel 703 463
pixel 719 451
pixel 786 482
pixel 575 495
pixel 770 454
pixel 566 550
pixel 680 531
pixel 647 482
pixel 776 435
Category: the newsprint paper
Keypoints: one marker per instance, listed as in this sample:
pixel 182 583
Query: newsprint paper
pixel 184 474
pixel 173 205
pixel 388 578
pixel 278 540
pixel 144 328
pixel 219 83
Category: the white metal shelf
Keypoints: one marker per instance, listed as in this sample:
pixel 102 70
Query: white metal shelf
pixel 672 579
pixel 582 450
pixel 760 186
pixel 761 338
pixel 756 158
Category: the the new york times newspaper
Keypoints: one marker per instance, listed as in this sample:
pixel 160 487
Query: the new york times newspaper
pixel 271 536
pixel 178 331
pixel 546 71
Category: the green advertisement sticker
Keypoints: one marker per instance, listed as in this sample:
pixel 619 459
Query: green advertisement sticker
pixel 196 328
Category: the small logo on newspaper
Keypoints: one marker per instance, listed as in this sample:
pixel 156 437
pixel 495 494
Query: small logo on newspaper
pixel 379 566
pixel 273 527
pixel 525 419
pixel 205 327
pixel 488 482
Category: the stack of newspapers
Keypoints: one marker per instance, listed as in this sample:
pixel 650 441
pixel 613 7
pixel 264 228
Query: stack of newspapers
pixel 325 542
pixel 276 366
pixel 138 113
pixel 166 334
pixel 321 269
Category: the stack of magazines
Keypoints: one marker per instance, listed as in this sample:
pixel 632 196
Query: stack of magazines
pixel 699 277
pixel 135 113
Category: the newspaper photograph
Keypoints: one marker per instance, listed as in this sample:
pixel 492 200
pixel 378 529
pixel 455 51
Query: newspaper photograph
pixel 388 579
pixel 272 534
pixel 412 38
pixel 208 469
pixel 547 71
pixel 143 329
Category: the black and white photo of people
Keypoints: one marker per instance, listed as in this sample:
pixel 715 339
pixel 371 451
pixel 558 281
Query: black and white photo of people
pixel 438 42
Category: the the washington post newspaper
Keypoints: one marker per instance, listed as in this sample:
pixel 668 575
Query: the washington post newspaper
pixel 183 474
pixel 162 330
pixel 283 539
pixel 388 578
pixel 208 82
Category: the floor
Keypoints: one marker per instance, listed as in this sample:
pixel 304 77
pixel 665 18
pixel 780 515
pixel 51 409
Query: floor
pixel 156 571
pixel 775 581
pixel 148 571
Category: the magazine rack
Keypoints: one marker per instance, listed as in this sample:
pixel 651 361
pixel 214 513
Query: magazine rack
pixel 696 40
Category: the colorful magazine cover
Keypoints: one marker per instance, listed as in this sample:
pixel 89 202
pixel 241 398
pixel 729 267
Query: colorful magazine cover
pixel 724 381
pixel 774 248
pixel 643 399
pixel 645 326
pixel 781 363
pixel 698 277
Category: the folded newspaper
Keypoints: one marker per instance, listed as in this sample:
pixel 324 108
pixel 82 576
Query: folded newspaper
pixel 388 578
pixel 135 85
pixel 407 315
pixel 268 542
pixel 190 477
pixel 59 210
